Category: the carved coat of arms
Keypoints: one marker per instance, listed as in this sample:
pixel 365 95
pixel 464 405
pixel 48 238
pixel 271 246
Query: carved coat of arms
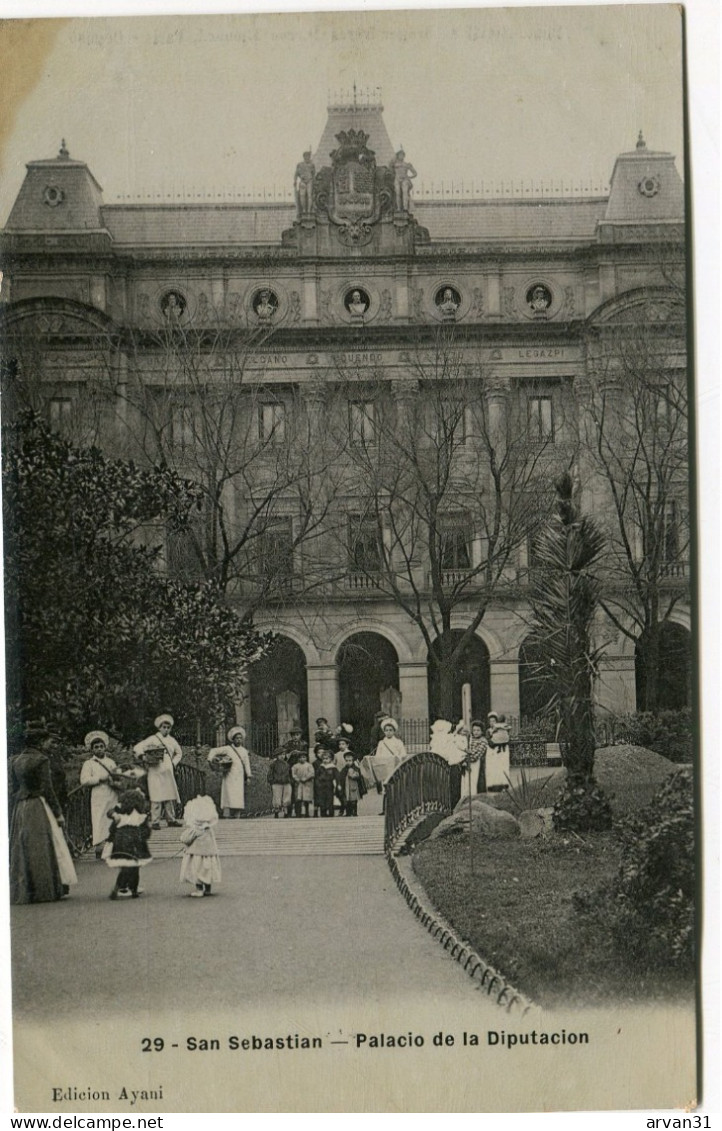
pixel 354 192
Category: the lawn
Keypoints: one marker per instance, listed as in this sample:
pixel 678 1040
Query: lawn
pixel 517 910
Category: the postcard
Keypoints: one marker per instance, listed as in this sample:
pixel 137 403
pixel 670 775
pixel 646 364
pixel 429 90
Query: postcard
pixel 349 559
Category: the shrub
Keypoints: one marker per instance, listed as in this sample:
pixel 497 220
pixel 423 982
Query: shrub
pixel 528 792
pixel 649 906
pixel 581 807
pixel 668 733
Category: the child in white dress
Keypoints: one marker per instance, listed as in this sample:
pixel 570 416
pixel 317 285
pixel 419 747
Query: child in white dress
pixel 201 863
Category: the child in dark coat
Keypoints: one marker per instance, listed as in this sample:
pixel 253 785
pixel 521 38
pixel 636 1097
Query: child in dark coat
pixel 325 781
pixel 127 846
pixel 352 786
pixel 279 779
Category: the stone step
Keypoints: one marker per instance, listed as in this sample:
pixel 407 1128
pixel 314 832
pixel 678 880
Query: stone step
pixel 265 836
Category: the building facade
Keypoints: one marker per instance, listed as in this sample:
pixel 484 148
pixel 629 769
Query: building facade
pixel 316 364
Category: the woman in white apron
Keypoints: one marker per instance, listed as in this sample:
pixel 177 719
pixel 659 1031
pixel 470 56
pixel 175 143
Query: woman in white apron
pixel 233 762
pixel 160 754
pixel 390 751
pixel 98 773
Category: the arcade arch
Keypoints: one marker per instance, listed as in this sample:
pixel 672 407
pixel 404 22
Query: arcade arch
pixel 674 668
pixel 279 692
pixel 367 667
pixel 474 668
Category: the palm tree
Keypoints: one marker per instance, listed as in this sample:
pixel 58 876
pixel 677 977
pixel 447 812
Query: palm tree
pixel 564 596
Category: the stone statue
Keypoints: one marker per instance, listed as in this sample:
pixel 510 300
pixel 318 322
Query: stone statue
pixel 173 307
pixel 358 305
pixel 539 301
pixel 404 173
pixel 448 305
pixel 265 307
pixel 303 185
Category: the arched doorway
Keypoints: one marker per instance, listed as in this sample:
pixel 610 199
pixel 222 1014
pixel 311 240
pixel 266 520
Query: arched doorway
pixel 279 695
pixel 674 669
pixel 368 682
pixel 471 667
pixel 533 692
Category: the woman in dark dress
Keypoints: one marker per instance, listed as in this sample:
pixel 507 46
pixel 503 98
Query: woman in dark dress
pixel 41 869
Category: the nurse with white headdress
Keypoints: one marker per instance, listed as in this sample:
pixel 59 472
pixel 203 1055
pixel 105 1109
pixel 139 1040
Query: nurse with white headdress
pixel 390 752
pixel 159 754
pixel 233 762
pixel 100 774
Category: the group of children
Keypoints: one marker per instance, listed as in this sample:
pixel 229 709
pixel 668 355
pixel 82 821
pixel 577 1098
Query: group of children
pixel 127 851
pixel 301 788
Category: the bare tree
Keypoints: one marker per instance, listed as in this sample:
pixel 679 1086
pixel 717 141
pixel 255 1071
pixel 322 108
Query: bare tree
pixel 450 475
pixel 201 399
pixel 637 448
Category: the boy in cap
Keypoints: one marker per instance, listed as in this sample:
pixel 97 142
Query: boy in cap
pixel 279 779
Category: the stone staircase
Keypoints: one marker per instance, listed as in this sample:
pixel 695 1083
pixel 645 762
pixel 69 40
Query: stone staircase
pixel 265 836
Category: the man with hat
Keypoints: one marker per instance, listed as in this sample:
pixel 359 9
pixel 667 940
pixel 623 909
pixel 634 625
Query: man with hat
pixel 160 753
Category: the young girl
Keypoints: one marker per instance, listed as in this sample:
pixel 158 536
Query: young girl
pixel 201 864
pixel 127 845
pixel 475 779
pixel 303 774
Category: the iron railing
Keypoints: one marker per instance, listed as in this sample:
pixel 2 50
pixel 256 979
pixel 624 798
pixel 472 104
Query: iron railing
pixel 190 781
pixel 527 750
pixel 527 742
pixel 420 785
pixel 78 824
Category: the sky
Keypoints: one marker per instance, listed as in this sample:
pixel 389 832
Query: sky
pixel 178 106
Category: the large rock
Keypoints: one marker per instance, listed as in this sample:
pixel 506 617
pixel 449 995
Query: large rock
pixel 531 823
pixel 486 821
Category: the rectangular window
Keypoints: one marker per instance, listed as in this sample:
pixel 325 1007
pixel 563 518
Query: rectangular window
pixel 663 405
pixel 451 422
pixel 363 544
pixel 275 550
pixel 455 544
pixel 362 422
pixel 541 418
pixel 272 422
pixel 60 414
pixel 183 425
pixel 670 533
pixel 184 550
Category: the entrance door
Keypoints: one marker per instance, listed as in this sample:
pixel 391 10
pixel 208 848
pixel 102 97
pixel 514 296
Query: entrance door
pixel 368 680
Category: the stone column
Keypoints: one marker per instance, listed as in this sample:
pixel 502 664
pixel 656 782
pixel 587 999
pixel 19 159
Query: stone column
pixel 497 397
pixel 120 365
pixel 310 298
pixel 218 295
pixel 607 281
pixel 414 688
pixel 505 687
pixel 401 282
pixel 616 689
pixel 243 711
pixel 322 681
pixel 493 292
